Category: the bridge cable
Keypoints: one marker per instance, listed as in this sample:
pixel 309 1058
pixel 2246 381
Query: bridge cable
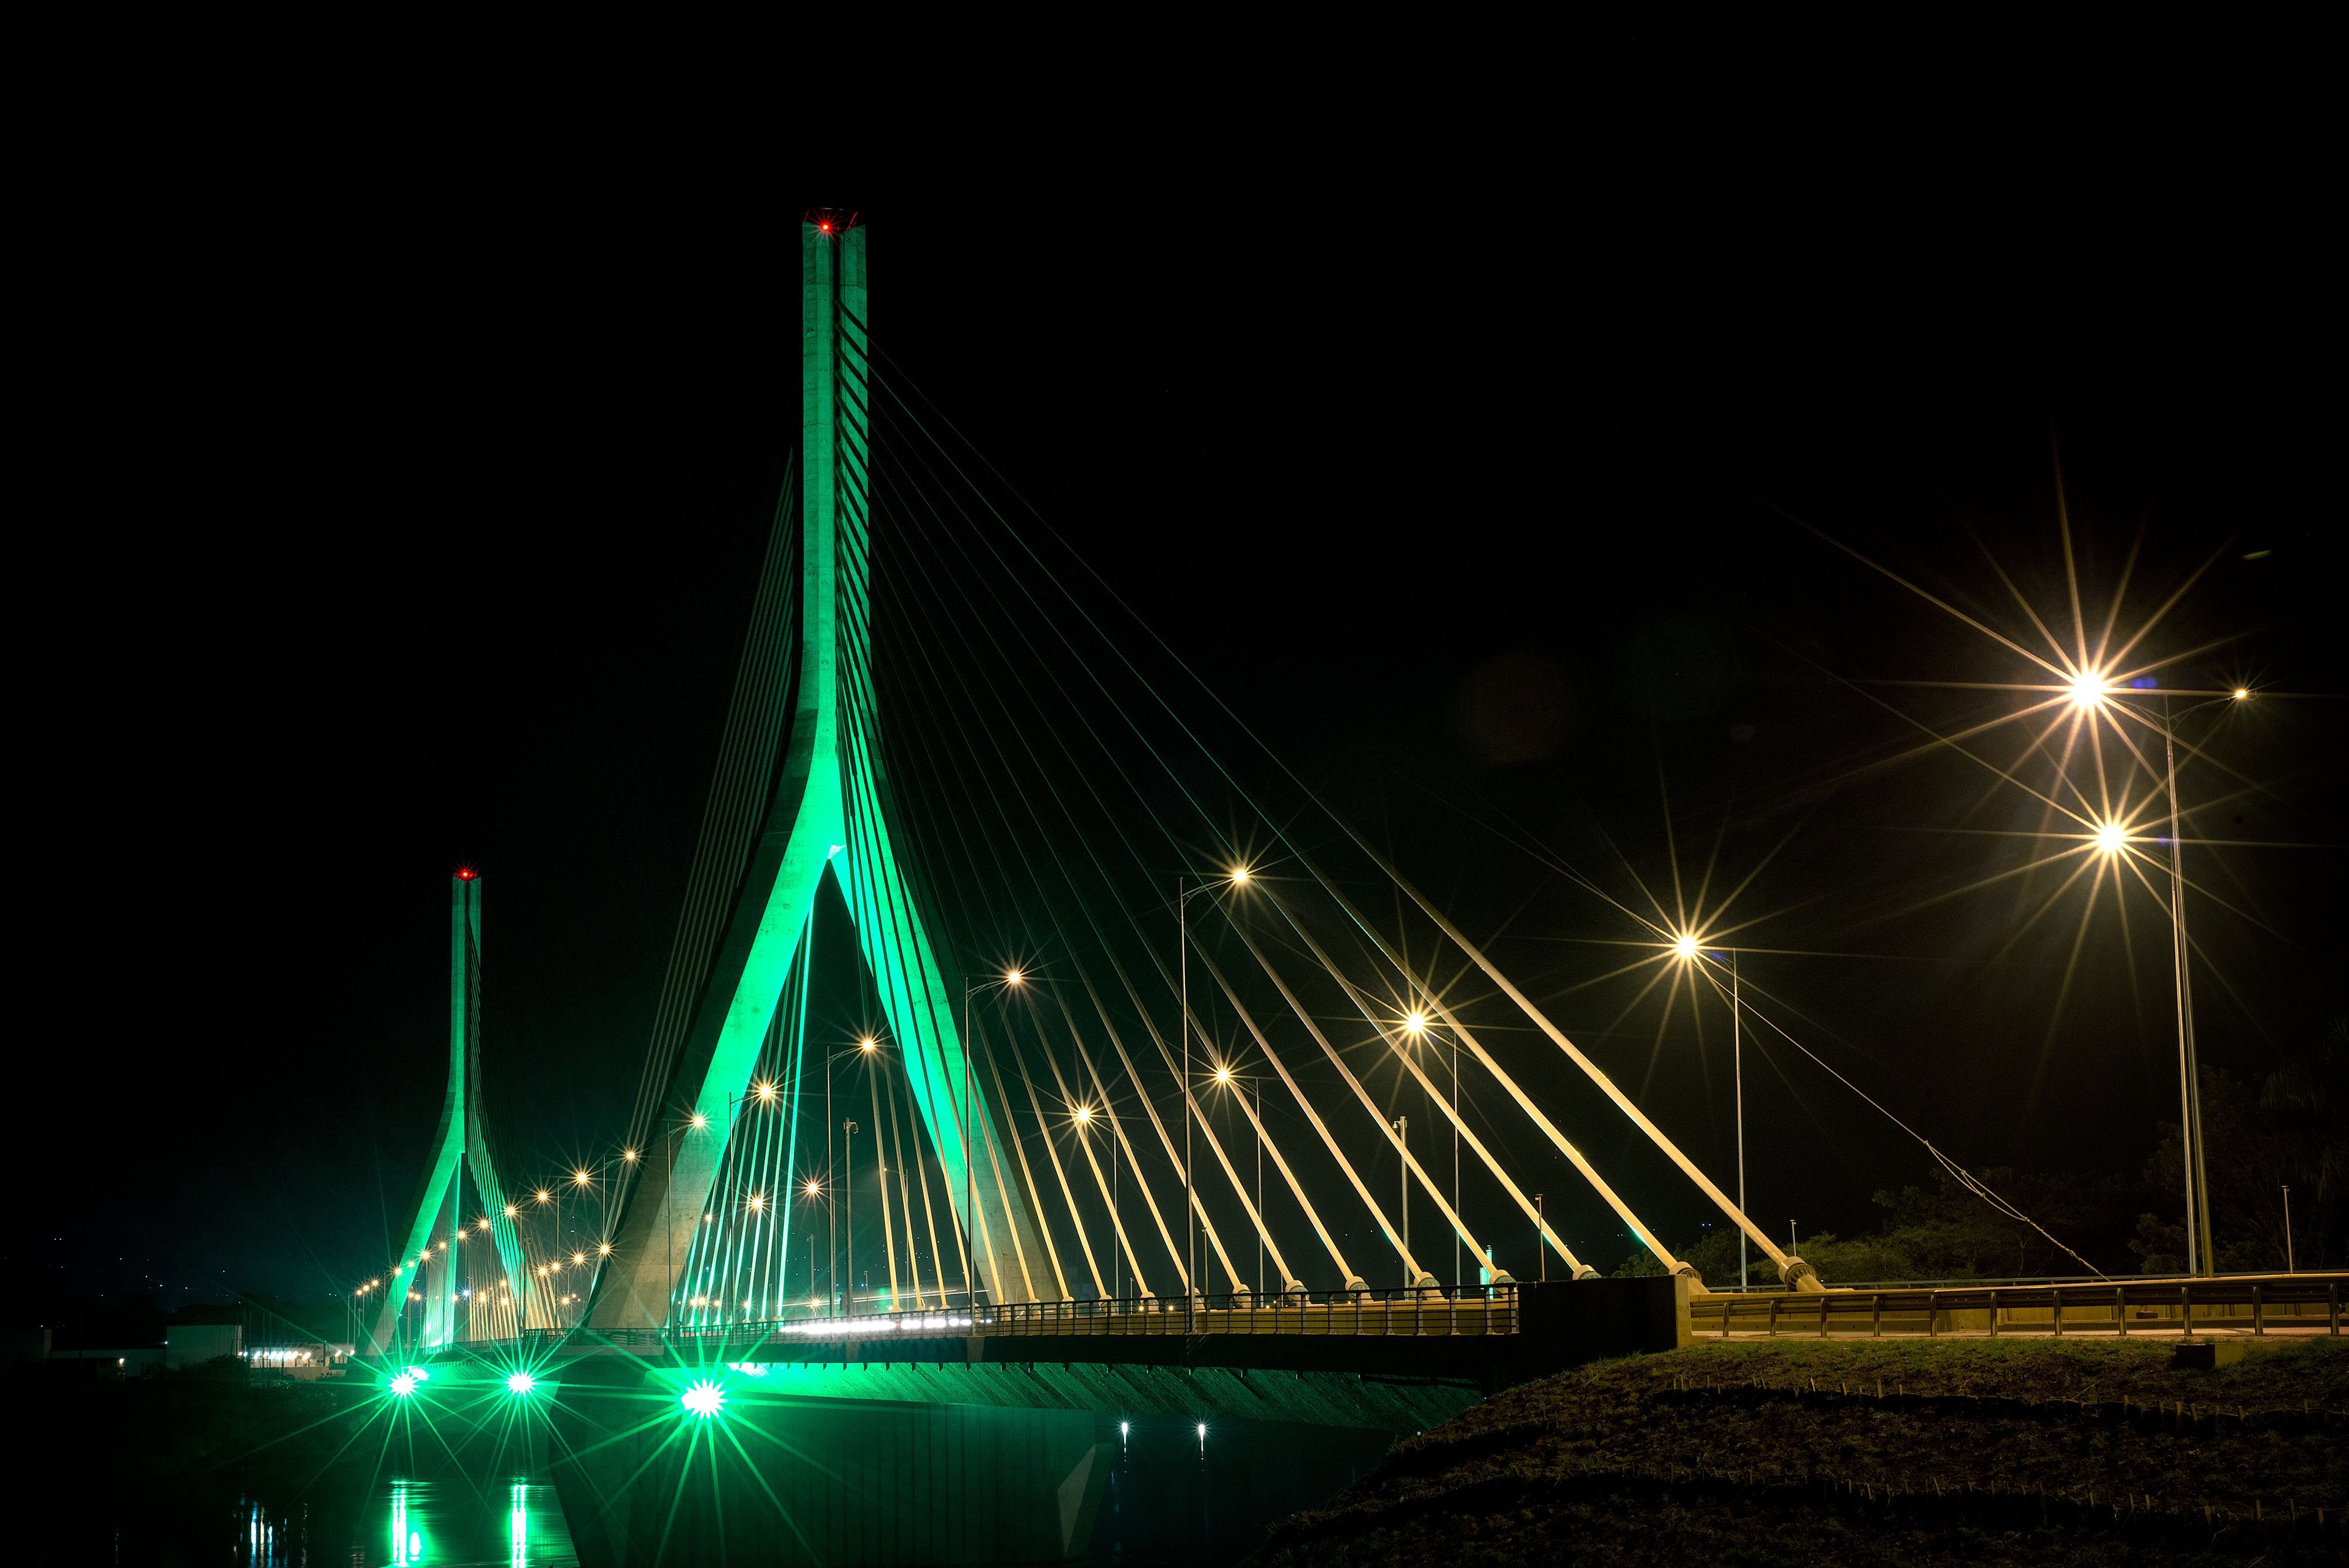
pixel 1435 1001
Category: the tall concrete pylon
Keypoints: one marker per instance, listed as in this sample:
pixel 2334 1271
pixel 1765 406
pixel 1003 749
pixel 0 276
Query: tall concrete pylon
pixel 437 1228
pixel 829 814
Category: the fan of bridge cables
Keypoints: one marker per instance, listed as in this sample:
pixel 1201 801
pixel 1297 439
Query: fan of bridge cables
pixel 1229 1000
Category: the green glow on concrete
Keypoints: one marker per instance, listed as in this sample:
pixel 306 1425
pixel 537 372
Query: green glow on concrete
pixel 462 1140
pixel 829 814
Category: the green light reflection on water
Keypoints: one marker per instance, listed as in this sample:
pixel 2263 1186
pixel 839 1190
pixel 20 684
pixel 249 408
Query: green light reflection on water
pixel 450 1520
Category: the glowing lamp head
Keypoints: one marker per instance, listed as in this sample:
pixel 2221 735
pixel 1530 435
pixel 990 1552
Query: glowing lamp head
pixel 868 1045
pixel 1684 946
pixel 1085 1113
pixel 510 1210
pixel 704 1399
pixel 823 228
pixel 580 1177
pixel 756 1203
pixel 404 1385
pixel 2241 692
pixel 604 1247
pixel 520 1383
pixel 699 1121
pixel 1240 876
pixel 1223 1075
pixel 1416 1022
pixel 2110 836
pixel 813 1187
pixel 766 1091
pixel 627 1154
pixel 2087 689
pixel 1012 977
pixel 543 1194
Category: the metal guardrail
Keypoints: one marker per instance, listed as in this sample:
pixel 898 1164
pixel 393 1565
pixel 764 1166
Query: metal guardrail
pixel 2106 1308
pixel 1474 1311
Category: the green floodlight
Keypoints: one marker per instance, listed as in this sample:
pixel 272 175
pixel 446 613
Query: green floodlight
pixel 520 1383
pixel 705 1398
pixel 404 1385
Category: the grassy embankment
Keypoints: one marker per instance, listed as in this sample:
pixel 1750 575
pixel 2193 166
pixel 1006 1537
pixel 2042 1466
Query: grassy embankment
pixel 1980 1452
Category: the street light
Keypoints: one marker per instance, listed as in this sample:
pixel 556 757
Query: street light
pixel 848 1132
pixel 2200 1252
pixel 972 984
pixel 1417 1026
pixel 1237 877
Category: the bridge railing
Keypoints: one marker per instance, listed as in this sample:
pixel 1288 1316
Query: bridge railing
pixel 1473 1310
pixel 2119 1307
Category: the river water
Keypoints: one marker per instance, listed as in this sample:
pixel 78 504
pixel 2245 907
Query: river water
pixel 409 1523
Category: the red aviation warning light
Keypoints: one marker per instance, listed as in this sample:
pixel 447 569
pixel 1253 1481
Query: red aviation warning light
pixel 466 874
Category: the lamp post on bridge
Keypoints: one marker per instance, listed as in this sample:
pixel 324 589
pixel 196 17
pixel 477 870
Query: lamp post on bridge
pixel 1402 1185
pixel 848 1130
pixel 1238 878
pixel 1083 1117
pixel 972 984
pixel 1416 1025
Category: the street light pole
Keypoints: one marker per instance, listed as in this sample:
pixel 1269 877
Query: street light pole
pixel 2199 1252
pixel 848 1142
pixel 1403 1189
pixel 1459 1275
pixel 1737 1063
pixel 1239 879
pixel 969 1193
pixel 832 1184
pixel 1190 1216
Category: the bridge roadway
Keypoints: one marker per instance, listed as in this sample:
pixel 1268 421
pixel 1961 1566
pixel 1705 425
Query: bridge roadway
pixel 1473 1341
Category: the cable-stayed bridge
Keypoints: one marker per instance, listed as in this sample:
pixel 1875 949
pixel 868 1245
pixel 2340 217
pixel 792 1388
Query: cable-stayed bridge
pixel 1004 1024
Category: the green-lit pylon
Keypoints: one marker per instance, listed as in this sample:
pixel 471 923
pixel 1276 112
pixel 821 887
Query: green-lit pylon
pixel 458 1149
pixel 830 812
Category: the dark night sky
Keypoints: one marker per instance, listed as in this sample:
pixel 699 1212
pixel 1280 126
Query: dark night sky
pixel 414 523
